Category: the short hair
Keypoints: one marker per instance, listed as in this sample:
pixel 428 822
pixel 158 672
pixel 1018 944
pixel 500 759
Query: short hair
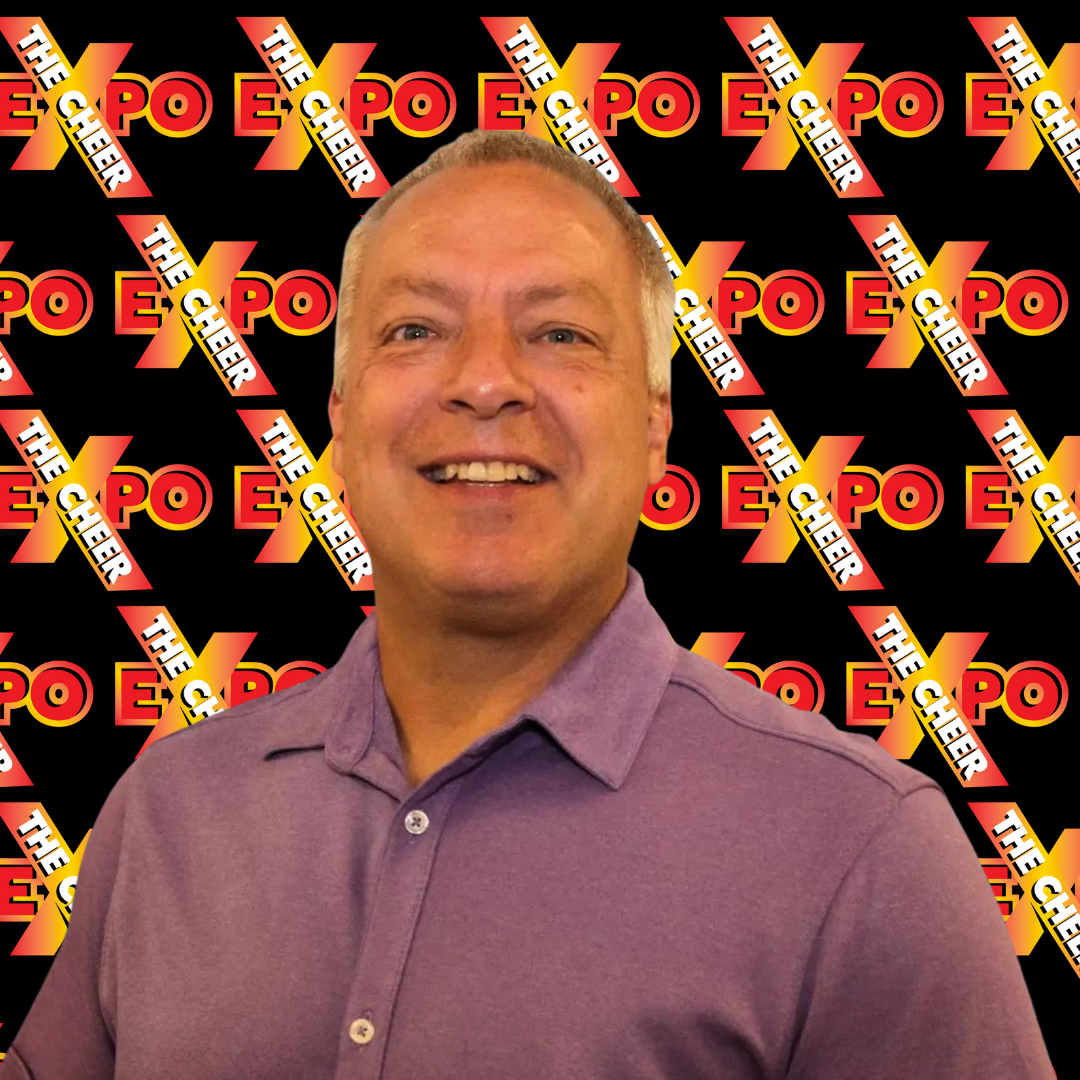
pixel 478 147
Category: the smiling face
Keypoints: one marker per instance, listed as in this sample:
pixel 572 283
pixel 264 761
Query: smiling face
pixel 497 316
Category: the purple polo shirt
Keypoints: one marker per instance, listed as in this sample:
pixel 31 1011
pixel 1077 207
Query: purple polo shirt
pixel 654 871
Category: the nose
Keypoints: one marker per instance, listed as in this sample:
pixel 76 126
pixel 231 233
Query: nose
pixel 486 371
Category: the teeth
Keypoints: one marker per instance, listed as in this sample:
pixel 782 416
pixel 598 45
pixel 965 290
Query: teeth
pixel 487 472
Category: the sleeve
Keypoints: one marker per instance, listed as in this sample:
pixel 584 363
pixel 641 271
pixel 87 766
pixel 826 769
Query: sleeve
pixel 66 1033
pixel 913 973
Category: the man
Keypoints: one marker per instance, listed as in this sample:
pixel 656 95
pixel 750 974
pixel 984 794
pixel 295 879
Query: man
pixel 517 832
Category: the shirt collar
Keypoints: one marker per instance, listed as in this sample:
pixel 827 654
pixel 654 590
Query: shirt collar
pixel 597 706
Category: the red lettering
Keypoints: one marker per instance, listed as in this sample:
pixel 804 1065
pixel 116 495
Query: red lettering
pixel 18 504
pixel 125 490
pixel 424 102
pixel 1035 302
pixel 247 683
pixel 248 297
pixel 253 115
pixel 738 511
pixel 304 301
pixel 133 314
pixel 133 705
pixel 180 496
pixel 60 302
pixel 910 103
pixel 869 303
pixel 123 100
pixel 869 694
pixel 257 499
pixel 369 99
pixel 856 490
pixel 14 686
pixel 667 103
pixel 60 693
pixel 14 294
pixel 855 100
pixel 987 115
pixel 989 503
pixel 497 116
pixel 791 302
pixel 737 119
pixel 794 685
pixel 1035 693
pixel 180 103
pixel 979 689
pixel 735 297
pixel 911 496
pixel 18 112
pixel 979 298
pixel 612 100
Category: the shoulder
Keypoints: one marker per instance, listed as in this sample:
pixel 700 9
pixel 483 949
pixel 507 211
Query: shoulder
pixel 793 755
pixel 227 742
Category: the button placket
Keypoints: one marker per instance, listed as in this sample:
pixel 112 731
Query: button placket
pixel 399 898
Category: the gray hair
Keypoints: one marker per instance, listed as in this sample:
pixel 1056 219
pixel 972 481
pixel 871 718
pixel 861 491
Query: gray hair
pixel 496 147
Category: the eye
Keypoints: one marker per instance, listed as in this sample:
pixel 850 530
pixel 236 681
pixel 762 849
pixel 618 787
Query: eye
pixel 410 332
pixel 562 335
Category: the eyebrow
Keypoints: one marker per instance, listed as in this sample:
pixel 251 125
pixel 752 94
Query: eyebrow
pixel 529 295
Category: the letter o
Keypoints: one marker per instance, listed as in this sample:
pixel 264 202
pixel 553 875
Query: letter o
pixel 911 104
pixel 911 497
pixel 60 302
pixel 60 694
pixel 423 104
pixel 1035 302
pixel 180 104
pixel 667 104
pixel 305 302
pixel 791 302
pixel 180 497
pixel 796 684
pixel 1036 694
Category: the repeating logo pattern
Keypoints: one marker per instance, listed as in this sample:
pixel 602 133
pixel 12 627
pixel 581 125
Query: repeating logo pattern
pixel 844 448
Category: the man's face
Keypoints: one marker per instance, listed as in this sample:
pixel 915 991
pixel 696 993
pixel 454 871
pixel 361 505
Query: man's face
pixel 498 317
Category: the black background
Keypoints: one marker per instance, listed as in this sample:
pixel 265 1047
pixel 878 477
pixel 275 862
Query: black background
pixel 817 384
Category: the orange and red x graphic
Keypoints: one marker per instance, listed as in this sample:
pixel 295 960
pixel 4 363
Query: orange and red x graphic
pixel 1046 876
pixel 194 680
pixel 532 60
pixel 313 488
pixel 815 83
pixel 199 320
pixel 1045 484
pixel 288 61
pixel 44 61
pixel 72 485
pixel 912 667
pixel 927 290
pixel 696 324
pixel 1056 86
pixel 803 487
pixel 53 870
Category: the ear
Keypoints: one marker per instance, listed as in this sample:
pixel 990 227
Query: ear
pixel 337 426
pixel 659 429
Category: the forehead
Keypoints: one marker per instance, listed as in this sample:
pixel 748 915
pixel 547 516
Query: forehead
pixel 515 217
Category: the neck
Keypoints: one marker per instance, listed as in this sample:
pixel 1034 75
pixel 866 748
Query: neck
pixel 453 672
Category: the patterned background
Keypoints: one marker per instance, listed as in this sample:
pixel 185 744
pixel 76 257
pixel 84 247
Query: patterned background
pixel 694 185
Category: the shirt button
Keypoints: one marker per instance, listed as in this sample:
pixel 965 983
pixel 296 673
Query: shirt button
pixel 416 821
pixel 362 1030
